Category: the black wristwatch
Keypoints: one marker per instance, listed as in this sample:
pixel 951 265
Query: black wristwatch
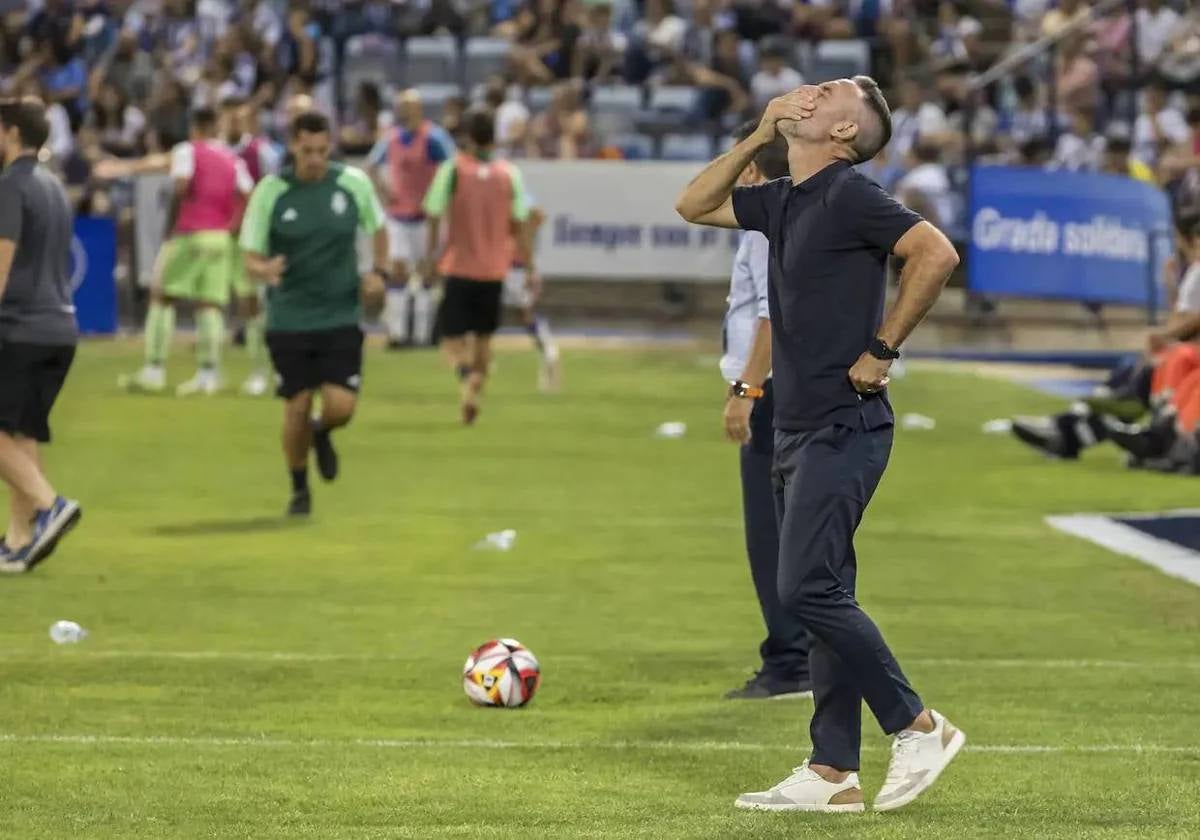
pixel 744 390
pixel 880 350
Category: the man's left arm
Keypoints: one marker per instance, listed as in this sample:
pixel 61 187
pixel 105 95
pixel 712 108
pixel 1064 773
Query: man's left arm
pixel 371 222
pixel 929 258
pixel 523 229
pixel 10 231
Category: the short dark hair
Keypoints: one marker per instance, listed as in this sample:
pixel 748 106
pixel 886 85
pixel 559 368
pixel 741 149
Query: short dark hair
pixel 204 117
pixel 310 122
pixel 479 124
pixel 868 143
pixel 234 102
pixel 28 116
pixel 771 159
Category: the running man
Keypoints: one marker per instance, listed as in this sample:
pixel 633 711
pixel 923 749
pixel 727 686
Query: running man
pixel 830 231
pixel 410 153
pixel 299 238
pixel 195 265
pixel 487 211
pixel 519 295
pixel 261 158
pixel 37 333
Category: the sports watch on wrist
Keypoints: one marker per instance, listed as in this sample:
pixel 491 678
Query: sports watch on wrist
pixel 880 350
pixel 744 390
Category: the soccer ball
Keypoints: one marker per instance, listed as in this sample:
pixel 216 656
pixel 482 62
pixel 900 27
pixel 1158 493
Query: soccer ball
pixel 502 672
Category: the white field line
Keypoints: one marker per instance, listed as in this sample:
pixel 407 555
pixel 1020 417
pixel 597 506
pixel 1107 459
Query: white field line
pixel 1167 557
pixel 82 654
pixel 435 744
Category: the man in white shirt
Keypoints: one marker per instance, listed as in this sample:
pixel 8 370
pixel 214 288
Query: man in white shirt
pixel 1156 22
pixel 775 75
pixel 1158 126
pixel 746 365
pixel 917 118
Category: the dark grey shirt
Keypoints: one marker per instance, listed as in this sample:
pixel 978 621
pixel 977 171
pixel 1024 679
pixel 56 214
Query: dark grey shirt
pixel 830 237
pixel 37 306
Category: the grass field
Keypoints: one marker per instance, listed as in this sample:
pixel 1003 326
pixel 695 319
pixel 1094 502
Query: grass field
pixel 250 679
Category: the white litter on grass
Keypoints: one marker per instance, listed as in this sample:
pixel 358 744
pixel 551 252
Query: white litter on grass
pixel 671 430
pixel 999 426
pixel 917 423
pixel 498 541
pixel 67 633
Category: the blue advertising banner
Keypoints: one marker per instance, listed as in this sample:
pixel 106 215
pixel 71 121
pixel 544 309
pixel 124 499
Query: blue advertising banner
pixel 1066 235
pixel 93 258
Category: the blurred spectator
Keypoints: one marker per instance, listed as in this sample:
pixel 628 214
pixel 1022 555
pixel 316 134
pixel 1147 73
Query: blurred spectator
pixel 926 188
pixel 1064 14
pixel 547 36
pixel 1076 76
pixel 370 120
pixel 1156 23
pixel 1180 62
pixel 167 114
pixel 1158 126
pixel 129 69
pixel 948 47
pixel 451 119
pixel 658 39
pixel 118 125
pixel 1028 119
pixel 1079 148
pixel 297 53
pixel 64 77
pixel 775 75
pixel 512 118
pixel 1117 160
pixel 600 51
pixel 216 85
pixel 917 117
pixel 1111 45
pixel 561 131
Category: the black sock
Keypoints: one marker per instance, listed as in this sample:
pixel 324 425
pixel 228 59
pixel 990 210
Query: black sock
pixel 318 427
pixel 464 371
pixel 300 480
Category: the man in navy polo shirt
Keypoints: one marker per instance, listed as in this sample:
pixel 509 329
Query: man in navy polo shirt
pixel 830 231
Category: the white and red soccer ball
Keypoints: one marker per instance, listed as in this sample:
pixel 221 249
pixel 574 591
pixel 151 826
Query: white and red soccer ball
pixel 502 672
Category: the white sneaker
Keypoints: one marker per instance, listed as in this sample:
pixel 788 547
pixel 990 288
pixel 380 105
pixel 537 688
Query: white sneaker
pixel 205 383
pixel 255 385
pixel 150 379
pixel 918 758
pixel 805 790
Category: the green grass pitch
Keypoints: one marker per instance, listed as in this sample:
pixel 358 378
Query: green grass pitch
pixel 247 679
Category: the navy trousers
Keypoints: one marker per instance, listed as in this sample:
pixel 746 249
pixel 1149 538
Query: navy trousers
pixel 824 480
pixel 785 649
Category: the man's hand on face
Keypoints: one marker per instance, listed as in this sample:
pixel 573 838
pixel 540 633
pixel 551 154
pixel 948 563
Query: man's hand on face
pixel 797 105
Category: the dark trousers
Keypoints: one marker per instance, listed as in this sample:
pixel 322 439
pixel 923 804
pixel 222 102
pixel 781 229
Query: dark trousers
pixel 785 649
pixel 824 480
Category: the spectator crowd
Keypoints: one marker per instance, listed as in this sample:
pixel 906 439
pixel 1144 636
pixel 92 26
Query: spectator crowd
pixel 123 75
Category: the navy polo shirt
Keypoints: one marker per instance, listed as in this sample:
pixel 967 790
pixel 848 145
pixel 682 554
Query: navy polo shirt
pixel 830 238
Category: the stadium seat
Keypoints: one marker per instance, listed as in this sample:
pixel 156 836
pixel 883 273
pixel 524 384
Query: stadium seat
pixel 538 98
pixel 634 146
pixel 484 57
pixel 370 58
pixel 674 99
pixel 431 60
pixel 614 108
pixel 840 59
pixel 687 147
pixel 434 97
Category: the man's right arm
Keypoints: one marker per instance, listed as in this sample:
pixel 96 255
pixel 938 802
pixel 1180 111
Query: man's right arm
pixel 708 199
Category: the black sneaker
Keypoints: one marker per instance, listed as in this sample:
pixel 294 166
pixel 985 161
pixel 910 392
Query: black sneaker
pixel 300 505
pixel 764 687
pixel 1045 437
pixel 327 458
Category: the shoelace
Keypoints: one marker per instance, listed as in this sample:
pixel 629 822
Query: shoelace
pixel 802 771
pixel 905 743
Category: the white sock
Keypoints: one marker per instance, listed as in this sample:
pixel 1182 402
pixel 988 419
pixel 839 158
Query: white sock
pixel 422 315
pixel 395 314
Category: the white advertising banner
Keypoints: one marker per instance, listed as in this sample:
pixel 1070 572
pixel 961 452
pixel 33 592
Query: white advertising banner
pixel 151 202
pixel 605 220
pixel 616 220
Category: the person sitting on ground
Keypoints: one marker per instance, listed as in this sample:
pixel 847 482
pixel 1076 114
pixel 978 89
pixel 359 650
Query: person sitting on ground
pixel 1126 395
pixel 1169 440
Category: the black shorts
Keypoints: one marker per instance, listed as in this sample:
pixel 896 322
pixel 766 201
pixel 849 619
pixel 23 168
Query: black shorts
pixel 470 306
pixel 31 375
pixel 305 361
